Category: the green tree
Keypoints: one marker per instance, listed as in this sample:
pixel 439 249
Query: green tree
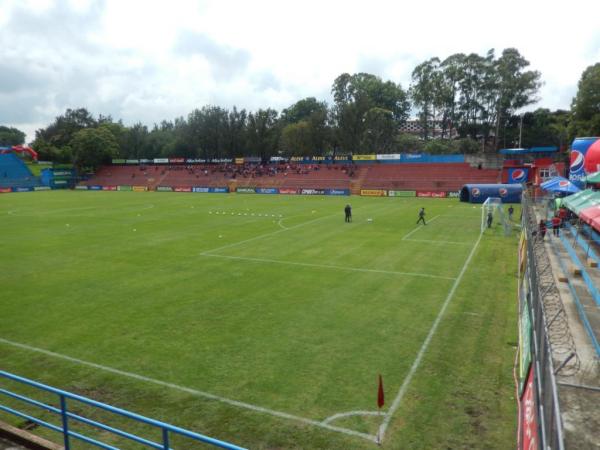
pixel 297 139
pixel 10 136
pixel 262 133
pixel 586 104
pixel 513 87
pixel 424 92
pixel 354 95
pixel 93 147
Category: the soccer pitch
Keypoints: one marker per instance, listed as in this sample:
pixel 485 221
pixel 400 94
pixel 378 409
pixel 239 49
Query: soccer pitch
pixel 266 320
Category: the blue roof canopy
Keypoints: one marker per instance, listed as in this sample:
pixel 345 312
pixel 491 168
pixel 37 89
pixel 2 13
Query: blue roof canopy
pixel 559 184
pixel 524 151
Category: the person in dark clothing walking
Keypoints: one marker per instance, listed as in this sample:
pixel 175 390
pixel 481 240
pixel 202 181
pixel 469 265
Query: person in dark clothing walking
pixel 421 216
pixel 511 211
pixel 348 211
pixel 542 228
pixel 556 225
pixel 490 218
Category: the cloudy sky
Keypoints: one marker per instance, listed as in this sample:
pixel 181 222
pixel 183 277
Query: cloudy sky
pixel 152 60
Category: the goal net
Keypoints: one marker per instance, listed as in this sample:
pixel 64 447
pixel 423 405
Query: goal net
pixel 492 214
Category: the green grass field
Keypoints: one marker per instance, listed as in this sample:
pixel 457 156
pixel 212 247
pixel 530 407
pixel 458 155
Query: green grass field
pixel 272 302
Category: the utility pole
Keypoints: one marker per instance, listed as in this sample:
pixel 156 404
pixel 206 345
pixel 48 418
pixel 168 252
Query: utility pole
pixel 520 130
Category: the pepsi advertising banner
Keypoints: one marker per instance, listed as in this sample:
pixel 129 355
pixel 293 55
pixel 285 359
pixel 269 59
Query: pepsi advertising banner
pixel 518 175
pixel 579 149
pixel 478 193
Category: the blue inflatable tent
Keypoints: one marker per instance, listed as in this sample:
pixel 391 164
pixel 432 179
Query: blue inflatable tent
pixel 478 193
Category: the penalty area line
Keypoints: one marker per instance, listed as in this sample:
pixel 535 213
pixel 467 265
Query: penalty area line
pixel 410 233
pixel 326 266
pixel 417 362
pixel 195 392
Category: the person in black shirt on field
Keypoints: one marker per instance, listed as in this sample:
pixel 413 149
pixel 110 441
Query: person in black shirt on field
pixel 348 211
pixel 421 216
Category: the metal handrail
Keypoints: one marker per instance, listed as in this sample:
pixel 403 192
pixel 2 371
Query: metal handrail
pixel 66 415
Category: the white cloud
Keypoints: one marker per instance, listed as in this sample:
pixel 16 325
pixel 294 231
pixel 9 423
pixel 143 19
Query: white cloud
pixel 148 61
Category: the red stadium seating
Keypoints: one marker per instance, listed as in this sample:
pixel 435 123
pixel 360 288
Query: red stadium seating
pixel 407 176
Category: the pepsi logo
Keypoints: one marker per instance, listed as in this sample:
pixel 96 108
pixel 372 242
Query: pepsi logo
pixel 503 192
pixel 563 183
pixel 475 192
pixel 518 175
pixel 577 160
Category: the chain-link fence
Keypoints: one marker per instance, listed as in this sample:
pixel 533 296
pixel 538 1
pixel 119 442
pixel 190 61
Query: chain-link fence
pixel 552 345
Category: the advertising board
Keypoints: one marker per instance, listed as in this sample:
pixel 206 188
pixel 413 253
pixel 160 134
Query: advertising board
pixel 124 188
pixel 182 189
pixel 164 189
pixel 139 188
pixel 95 188
pixel 109 188
pixel 288 191
pixel 402 193
pixel 337 191
pixel 267 190
pixel 312 191
pixel 364 157
pixel 529 423
pixel 432 194
pixel 373 192
pixel 200 189
pixel 219 190
pixel 245 190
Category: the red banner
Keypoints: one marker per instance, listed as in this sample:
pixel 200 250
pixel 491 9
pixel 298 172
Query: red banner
pixel 529 425
pixel 5 190
pixel 109 188
pixel 183 189
pixel 433 194
pixel 288 191
pixel 176 160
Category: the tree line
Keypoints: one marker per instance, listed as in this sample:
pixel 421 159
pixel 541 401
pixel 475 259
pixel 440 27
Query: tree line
pixel 464 104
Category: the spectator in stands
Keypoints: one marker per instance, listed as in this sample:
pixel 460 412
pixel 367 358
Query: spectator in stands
pixel 556 225
pixel 542 228
pixel 348 211
pixel 421 216
pixel 562 213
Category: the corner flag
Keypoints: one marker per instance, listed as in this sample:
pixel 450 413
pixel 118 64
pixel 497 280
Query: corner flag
pixel 380 396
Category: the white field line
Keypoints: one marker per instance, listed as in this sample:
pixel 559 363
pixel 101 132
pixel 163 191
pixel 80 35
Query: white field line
pixel 423 349
pixel 281 224
pixel 352 413
pixel 260 236
pixel 326 266
pixel 197 393
pixel 437 242
pixel 410 233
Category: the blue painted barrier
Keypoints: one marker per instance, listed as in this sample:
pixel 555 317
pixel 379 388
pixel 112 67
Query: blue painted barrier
pixel 66 417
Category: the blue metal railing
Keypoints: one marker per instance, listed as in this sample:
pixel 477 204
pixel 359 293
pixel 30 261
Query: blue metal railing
pixel 578 304
pixel 66 417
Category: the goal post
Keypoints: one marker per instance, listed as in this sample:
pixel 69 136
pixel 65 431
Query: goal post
pixel 493 207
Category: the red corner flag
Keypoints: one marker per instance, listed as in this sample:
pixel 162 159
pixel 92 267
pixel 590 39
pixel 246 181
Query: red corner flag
pixel 380 396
